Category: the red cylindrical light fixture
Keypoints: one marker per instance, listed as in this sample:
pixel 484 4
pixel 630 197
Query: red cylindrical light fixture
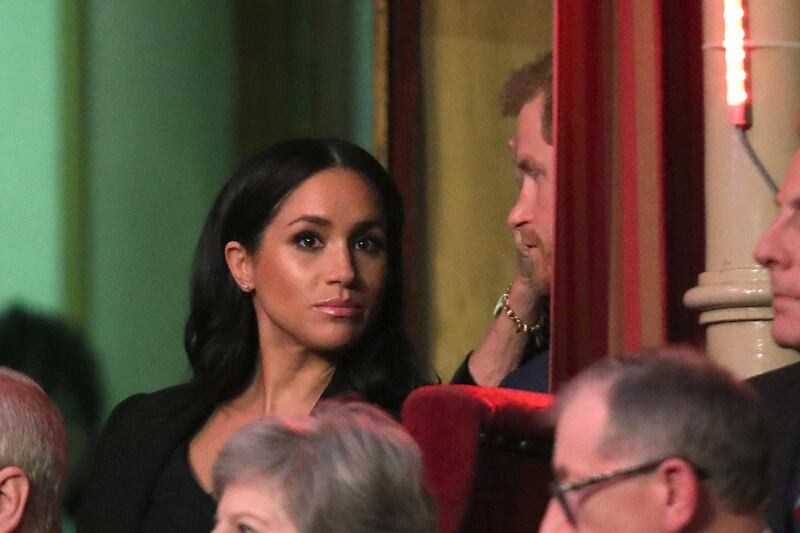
pixel 737 75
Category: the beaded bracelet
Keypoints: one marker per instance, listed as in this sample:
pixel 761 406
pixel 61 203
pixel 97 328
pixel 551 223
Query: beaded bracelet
pixel 522 327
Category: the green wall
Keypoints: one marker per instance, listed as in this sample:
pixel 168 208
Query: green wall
pixel 330 89
pixel 307 71
pixel 31 261
pixel 159 132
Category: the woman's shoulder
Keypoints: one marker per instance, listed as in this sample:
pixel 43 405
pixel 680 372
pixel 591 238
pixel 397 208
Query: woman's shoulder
pixel 149 409
pixel 173 395
pixel 139 435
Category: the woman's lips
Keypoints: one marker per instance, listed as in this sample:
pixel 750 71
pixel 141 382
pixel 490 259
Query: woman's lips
pixel 340 308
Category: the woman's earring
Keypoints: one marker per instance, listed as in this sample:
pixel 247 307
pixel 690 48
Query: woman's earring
pixel 246 287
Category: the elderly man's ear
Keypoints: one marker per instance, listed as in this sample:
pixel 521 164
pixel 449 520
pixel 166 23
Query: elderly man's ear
pixel 14 490
pixel 680 496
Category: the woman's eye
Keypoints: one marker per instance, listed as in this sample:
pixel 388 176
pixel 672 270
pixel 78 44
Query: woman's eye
pixel 307 240
pixel 369 244
pixel 244 528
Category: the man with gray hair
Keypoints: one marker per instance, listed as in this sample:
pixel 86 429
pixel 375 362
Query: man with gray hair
pixel 661 441
pixel 779 251
pixel 33 457
pixel 348 468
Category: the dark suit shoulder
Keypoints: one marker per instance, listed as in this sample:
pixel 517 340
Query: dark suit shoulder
pixel 780 376
pixel 780 391
pixel 778 386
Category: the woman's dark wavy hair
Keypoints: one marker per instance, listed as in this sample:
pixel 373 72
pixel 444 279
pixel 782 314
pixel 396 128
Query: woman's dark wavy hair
pixel 221 336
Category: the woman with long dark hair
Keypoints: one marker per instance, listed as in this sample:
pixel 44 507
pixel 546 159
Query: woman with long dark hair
pixel 296 295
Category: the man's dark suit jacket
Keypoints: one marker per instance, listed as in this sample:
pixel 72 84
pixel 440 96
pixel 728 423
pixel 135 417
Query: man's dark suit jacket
pixel 532 375
pixel 533 372
pixel 780 390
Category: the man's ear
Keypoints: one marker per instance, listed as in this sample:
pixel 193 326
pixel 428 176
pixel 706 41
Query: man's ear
pixel 680 495
pixel 14 490
pixel 240 265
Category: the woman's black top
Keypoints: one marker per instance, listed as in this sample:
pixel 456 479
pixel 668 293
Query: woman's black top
pixel 178 503
pixel 141 476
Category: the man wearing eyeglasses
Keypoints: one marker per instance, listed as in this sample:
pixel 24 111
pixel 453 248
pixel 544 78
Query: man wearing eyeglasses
pixel 659 441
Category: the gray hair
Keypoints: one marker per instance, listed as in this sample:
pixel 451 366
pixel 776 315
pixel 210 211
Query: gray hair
pixel 32 438
pixel 675 402
pixel 349 468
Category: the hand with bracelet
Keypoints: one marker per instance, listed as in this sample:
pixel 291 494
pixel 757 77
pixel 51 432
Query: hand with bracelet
pixel 502 348
pixel 527 295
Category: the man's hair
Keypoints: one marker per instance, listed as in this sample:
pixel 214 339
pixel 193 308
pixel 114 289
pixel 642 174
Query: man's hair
pixel 525 84
pixel 349 468
pixel 58 358
pixel 675 402
pixel 32 439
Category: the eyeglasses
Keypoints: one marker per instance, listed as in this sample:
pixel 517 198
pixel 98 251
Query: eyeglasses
pixel 560 491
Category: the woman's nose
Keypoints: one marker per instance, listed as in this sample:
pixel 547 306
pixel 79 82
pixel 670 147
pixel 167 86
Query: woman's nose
pixel 341 266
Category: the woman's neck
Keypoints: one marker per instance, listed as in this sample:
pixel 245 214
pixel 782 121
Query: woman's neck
pixel 287 382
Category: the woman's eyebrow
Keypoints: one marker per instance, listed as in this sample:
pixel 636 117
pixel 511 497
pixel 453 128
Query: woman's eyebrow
pixel 313 219
pixel 368 225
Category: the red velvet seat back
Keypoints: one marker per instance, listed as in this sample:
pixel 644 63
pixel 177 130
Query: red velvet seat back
pixel 486 453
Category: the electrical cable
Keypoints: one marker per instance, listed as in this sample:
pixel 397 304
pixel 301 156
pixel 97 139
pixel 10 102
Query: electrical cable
pixel 756 161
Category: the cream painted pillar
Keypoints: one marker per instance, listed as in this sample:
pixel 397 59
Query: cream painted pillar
pixel 733 295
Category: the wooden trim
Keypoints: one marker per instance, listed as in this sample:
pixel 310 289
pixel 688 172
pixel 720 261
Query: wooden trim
pixel 380 81
pixel 75 199
pixel 583 140
pixel 631 267
pixel 684 166
pixel 263 54
pixel 405 152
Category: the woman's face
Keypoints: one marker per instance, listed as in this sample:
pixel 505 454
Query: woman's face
pixel 251 507
pixel 319 272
